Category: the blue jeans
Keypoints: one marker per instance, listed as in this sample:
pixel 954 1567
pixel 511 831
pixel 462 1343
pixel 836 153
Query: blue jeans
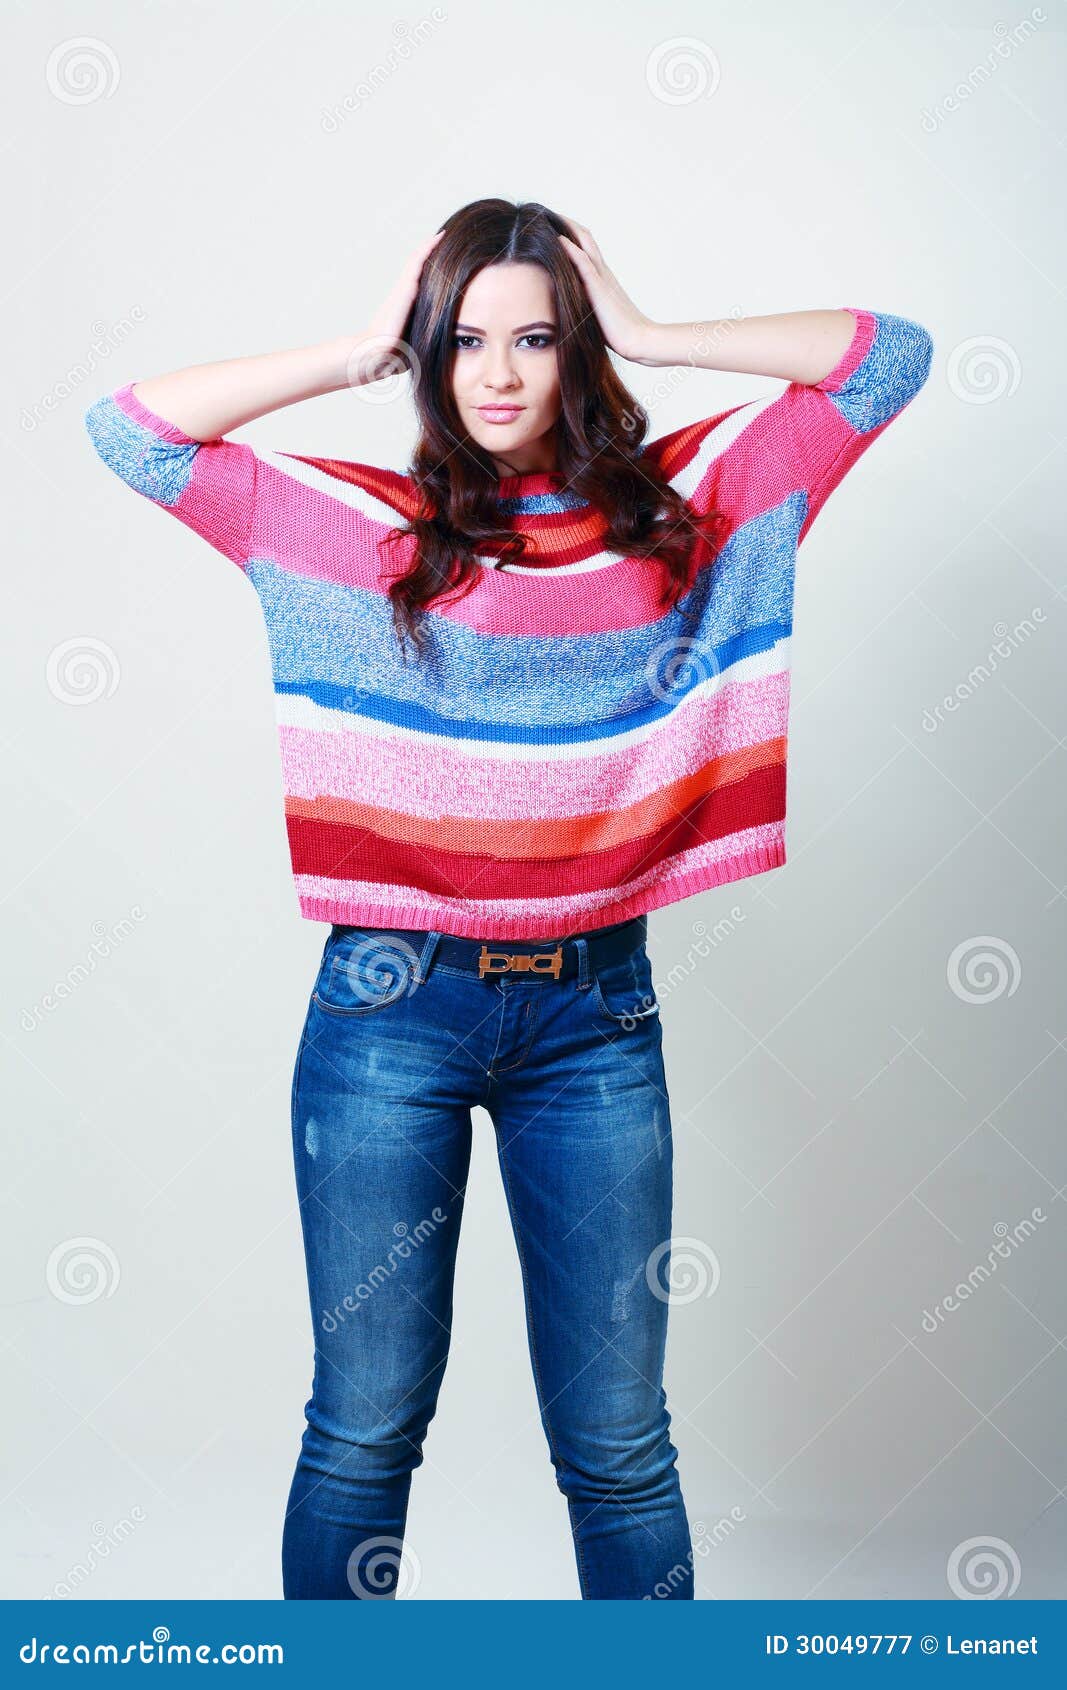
pixel 397 1047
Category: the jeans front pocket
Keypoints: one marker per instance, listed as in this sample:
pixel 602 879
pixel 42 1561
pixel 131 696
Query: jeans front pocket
pixel 624 992
pixel 364 971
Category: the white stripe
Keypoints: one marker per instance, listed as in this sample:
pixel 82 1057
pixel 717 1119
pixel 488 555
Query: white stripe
pixel 600 560
pixel 345 492
pixel 685 482
pixel 718 441
pixel 296 710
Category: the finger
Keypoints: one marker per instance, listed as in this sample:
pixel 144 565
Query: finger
pixel 584 259
pixel 577 233
pixel 578 255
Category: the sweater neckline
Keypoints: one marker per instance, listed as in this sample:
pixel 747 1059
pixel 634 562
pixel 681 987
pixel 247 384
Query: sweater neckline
pixel 535 481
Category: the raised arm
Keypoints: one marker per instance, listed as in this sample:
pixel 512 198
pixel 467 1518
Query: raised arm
pixel 801 346
pixel 206 401
pixel 804 347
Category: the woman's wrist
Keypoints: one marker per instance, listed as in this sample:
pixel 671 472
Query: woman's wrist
pixel 663 344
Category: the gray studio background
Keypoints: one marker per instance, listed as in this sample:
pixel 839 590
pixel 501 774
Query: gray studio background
pixel 865 1049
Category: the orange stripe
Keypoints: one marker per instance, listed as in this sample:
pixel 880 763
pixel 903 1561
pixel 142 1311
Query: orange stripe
pixel 552 836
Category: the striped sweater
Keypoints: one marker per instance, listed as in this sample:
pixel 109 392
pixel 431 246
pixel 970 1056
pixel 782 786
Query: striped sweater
pixel 565 753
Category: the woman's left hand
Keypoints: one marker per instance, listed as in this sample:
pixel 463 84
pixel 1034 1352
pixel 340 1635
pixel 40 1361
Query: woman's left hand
pixel 626 329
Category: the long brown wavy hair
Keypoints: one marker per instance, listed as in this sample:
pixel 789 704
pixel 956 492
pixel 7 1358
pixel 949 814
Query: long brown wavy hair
pixel 599 432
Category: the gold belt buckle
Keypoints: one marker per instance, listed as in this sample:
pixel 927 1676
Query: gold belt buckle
pixel 534 962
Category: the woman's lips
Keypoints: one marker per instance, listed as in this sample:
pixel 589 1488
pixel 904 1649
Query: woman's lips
pixel 500 413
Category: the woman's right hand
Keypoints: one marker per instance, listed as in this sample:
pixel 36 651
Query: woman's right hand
pixel 380 350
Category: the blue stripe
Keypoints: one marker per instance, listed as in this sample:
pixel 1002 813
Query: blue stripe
pixel 160 469
pixel 542 504
pixel 330 641
pixel 423 720
pixel 896 365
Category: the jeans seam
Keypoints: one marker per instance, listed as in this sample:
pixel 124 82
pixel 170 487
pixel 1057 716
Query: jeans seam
pixel 553 1445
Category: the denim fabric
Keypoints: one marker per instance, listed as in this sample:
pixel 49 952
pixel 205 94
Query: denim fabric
pixel 395 1051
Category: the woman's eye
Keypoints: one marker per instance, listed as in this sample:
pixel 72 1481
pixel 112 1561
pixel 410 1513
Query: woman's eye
pixel 461 341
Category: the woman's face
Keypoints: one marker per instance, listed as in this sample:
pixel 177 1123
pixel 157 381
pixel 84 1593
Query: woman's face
pixel 505 355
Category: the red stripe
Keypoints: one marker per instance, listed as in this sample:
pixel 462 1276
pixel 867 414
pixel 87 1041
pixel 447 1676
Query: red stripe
pixel 347 853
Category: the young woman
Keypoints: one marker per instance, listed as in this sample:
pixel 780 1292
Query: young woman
pixel 526 692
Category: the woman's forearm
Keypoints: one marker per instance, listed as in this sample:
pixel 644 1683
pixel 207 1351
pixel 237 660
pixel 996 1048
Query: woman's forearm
pixel 208 400
pixel 798 346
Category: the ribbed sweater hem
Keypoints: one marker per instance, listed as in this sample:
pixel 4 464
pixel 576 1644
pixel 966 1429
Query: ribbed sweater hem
pixel 436 915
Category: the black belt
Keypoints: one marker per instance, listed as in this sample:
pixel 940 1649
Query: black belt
pixel 527 958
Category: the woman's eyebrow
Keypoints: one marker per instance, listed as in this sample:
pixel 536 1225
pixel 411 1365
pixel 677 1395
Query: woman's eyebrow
pixel 469 328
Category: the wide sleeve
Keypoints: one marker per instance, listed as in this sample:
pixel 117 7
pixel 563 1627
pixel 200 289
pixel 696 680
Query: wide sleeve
pixel 208 485
pixel 798 445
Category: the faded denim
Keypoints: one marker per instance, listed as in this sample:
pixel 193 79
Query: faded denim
pixel 396 1050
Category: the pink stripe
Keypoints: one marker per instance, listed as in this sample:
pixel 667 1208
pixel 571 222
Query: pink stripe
pixel 430 778
pixel 311 534
pixel 373 903
pixel 789 442
pixel 855 352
